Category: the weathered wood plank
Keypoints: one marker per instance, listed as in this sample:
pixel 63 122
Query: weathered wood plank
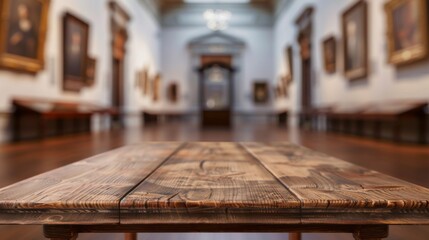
pixel 337 192
pixel 87 191
pixel 210 183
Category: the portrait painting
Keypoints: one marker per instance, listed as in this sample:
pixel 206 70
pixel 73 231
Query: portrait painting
pixel 75 52
pixel 260 92
pixel 329 49
pixel 407 23
pixel 173 92
pixel 90 71
pixel 355 37
pixel 23 33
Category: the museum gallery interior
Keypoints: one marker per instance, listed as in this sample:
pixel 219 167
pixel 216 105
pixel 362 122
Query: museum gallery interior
pixel 214 119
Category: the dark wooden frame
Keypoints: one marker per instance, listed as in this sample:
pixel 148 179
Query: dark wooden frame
pixel 354 74
pixel 20 63
pixel 289 65
pixel 156 87
pixel 265 86
pixel 173 92
pixel 90 79
pixel 414 53
pixel 74 83
pixel 330 40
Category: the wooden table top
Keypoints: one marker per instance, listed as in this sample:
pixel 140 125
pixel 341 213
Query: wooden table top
pixel 210 183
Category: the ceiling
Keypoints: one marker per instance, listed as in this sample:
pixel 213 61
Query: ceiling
pixel 174 13
pixel 166 5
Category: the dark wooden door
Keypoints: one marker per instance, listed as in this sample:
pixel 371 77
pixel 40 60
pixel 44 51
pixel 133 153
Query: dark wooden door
pixel 216 93
pixel 306 96
pixel 117 95
pixel 117 90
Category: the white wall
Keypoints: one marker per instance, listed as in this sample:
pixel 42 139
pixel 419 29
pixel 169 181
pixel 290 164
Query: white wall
pixel 257 64
pixel 143 50
pixel 385 82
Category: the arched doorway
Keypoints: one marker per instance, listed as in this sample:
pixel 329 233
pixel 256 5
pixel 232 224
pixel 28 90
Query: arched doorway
pixel 215 53
pixel 216 93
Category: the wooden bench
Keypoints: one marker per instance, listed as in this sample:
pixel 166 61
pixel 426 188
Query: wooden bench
pixel 396 113
pixel 282 117
pixel 155 116
pixel 312 116
pixel 353 119
pixel 39 118
pixel 214 187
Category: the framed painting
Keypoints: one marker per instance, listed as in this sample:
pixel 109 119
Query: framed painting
pixel 173 92
pixel 145 83
pixel 22 34
pixel 285 83
pixel 355 37
pixel 91 69
pixel 75 52
pixel 278 91
pixel 260 92
pixel 329 47
pixel 407 30
pixel 289 59
pixel 156 85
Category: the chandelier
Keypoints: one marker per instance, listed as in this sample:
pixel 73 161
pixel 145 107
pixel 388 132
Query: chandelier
pixel 217 19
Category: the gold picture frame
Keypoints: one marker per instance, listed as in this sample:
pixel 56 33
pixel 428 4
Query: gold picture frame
pixel 22 46
pixel 407 31
pixel 329 48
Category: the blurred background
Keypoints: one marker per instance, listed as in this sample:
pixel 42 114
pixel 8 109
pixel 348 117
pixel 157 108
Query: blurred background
pixel 349 78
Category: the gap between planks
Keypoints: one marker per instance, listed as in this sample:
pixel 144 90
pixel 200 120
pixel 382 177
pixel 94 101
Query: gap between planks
pixel 180 147
pixel 255 157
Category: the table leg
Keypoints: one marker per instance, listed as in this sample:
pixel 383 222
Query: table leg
pixel 371 232
pixel 59 232
pixel 295 236
pixel 130 236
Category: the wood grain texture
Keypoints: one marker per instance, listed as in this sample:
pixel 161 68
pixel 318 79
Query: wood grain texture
pixel 332 191
pixel 213 183
pixel 87 191
pixel 210 183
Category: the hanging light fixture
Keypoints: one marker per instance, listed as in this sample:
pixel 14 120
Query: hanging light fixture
pixel 217 19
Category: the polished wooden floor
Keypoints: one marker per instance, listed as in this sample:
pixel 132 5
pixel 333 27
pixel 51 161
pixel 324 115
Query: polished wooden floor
pixel 20 161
